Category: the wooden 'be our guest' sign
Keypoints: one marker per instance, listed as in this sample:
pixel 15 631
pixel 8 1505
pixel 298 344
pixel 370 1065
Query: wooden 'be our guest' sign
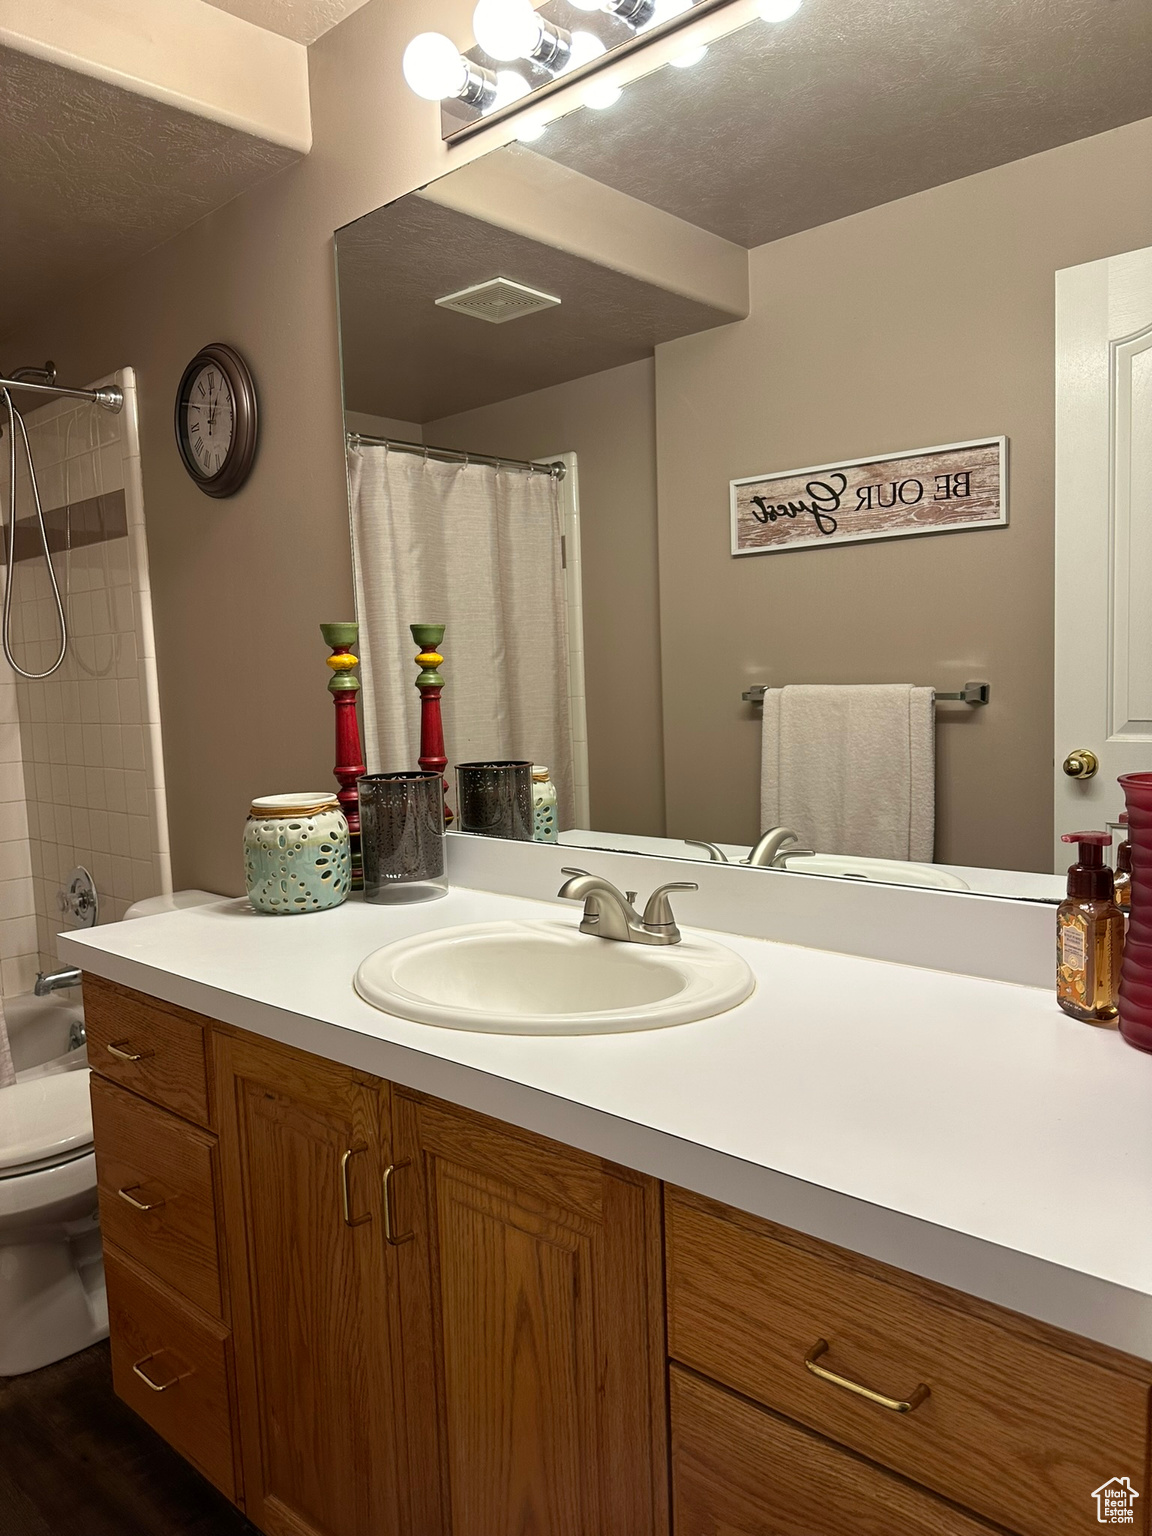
pixel 892 496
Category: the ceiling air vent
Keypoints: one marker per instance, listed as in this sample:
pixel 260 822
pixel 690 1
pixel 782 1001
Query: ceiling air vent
pixel 498 300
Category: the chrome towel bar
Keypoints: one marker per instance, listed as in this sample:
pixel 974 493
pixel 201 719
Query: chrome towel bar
pixel 971 693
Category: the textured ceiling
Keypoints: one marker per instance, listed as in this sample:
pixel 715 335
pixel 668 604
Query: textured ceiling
pixel 853 103
pixel 403 357
pixel 91 176
pixel 302 20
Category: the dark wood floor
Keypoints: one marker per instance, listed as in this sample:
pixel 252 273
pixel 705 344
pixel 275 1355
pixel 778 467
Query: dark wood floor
pixel 75 1462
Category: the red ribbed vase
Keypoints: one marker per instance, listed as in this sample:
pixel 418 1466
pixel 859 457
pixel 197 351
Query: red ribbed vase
pixel 1136 972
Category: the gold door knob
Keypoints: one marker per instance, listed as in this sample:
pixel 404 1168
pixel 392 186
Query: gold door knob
pixel 1081 764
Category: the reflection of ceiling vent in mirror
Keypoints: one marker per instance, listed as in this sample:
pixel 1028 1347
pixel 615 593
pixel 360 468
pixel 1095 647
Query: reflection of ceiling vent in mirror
pixel 498 300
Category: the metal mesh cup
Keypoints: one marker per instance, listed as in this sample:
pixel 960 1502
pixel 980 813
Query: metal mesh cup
pixel 402 836
pixel 494 799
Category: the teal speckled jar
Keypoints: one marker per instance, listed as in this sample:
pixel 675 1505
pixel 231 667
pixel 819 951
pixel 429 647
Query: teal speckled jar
pixel 297 856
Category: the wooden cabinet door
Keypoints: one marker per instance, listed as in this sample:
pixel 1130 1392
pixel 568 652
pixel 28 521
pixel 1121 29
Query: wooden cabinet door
pixel 312 1299
pixel 533 1331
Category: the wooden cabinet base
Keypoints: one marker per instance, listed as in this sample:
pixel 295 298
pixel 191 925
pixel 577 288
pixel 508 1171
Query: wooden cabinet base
pixel 173 1365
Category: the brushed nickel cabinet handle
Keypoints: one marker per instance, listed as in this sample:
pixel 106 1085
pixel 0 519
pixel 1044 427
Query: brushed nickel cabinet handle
pixel 893 1404
pixel 396 1241
pixel 345 1194
pixel 138 1205
pixel 156 1386
pixel 121 1052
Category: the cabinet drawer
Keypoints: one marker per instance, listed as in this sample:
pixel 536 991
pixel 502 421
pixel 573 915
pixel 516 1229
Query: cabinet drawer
pixel 155 1050
pixel 1014 1427
pixel 173 1366
pixel 148 1158
pixel 739 1471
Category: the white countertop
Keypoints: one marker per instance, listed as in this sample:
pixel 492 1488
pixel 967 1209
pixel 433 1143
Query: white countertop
pixel 961 1128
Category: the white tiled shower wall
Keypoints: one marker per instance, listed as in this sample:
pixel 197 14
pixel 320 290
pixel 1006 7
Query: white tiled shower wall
pixel 89 736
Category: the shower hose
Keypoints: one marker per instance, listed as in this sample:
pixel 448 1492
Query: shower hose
pixel 14 419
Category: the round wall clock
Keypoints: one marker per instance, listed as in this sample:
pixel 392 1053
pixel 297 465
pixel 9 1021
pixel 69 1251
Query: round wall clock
pixel 216 420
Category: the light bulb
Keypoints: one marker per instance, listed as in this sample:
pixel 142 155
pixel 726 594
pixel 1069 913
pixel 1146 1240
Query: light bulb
pixel 510 86
pixel 665 10
pixel 778 10
pixel 506 29
pixel 531 129
pixel 601 94
pixel 693 56
pixel 586 46
pixel 433 66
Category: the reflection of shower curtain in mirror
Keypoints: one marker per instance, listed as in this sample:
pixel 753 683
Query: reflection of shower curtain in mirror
pixel 478 549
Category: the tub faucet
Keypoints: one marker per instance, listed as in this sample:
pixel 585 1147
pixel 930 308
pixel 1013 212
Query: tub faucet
pixel 610 914
pixel 52 981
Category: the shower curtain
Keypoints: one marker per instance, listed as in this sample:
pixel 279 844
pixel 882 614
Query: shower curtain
pixel 7 1069
pixel 476 548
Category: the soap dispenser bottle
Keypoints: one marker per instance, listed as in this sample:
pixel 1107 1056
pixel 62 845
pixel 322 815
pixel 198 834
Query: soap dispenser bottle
pixel 1089 934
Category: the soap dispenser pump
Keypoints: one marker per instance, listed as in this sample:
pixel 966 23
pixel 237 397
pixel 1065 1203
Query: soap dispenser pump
pixel 1089 934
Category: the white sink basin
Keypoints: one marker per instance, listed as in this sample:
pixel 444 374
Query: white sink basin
pixel 547 978
pixel 885 871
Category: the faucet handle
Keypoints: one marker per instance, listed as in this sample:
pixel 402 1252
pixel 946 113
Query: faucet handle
pixel 658 912
pixel 575 874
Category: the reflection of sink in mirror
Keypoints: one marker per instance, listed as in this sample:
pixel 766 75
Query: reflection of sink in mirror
pixel 1020 884
pixel 887 871
pixel 547 978
pixel 735 273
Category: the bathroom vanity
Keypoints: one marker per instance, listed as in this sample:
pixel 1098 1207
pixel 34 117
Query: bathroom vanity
pixel 352 1281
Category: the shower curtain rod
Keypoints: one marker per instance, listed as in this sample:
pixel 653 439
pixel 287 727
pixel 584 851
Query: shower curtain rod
pixel 111 397
pixel 457 456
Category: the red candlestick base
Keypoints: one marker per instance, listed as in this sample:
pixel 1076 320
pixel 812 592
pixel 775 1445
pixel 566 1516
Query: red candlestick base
pixel 349 765
pixel 431 685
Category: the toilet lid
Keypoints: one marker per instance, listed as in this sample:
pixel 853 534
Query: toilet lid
pixel 44 1120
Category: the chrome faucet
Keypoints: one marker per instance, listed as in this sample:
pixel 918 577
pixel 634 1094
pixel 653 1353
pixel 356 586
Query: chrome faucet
pixel 52 981
pixel 772 851
pixel 769 852
pixel 610 913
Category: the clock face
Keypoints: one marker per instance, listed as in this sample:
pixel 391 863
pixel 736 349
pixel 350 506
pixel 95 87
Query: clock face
pixel 216 420
pixel 209 420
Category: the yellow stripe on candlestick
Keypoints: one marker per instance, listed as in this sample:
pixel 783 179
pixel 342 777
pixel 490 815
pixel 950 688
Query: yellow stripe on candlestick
pixel 344 661
pixel 429 659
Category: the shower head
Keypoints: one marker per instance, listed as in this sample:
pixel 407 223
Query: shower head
pixel 45 375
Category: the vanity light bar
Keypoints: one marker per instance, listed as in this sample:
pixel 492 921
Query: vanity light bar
pixel 971 693
pixel 539 51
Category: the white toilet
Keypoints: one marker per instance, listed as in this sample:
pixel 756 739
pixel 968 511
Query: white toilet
pixel 52 1300
pixel 52 1297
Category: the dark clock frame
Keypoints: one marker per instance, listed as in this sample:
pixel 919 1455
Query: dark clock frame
pixel 238 465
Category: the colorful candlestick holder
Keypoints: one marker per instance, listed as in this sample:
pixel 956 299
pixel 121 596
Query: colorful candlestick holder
pixel 344 686
pixel 431 684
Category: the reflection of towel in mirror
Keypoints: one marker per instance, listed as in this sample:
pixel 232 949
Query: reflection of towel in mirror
pixel 851 769
pixel 7 1070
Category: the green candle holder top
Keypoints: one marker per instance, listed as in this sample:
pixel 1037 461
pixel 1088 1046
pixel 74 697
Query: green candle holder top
pixel 341 638
pixel 428 638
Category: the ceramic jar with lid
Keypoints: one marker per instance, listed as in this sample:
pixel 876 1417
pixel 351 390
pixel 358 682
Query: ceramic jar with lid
pixel 545 827
pixel 297 856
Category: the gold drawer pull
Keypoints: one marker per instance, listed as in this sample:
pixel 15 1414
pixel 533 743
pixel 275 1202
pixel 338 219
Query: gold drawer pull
pixel 156 1386
pixel 345 1194
pixel 404 1237
pixel 138 1205
pixel 895 1404
pixel 122 1053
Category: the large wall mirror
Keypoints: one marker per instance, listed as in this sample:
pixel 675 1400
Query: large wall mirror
pixel 599 388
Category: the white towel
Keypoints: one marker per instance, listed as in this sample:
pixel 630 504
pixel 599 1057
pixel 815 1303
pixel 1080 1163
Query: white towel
pixel 7 1069
pixel 851 769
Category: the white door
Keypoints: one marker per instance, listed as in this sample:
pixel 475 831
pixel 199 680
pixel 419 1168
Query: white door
pixel 1103 533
